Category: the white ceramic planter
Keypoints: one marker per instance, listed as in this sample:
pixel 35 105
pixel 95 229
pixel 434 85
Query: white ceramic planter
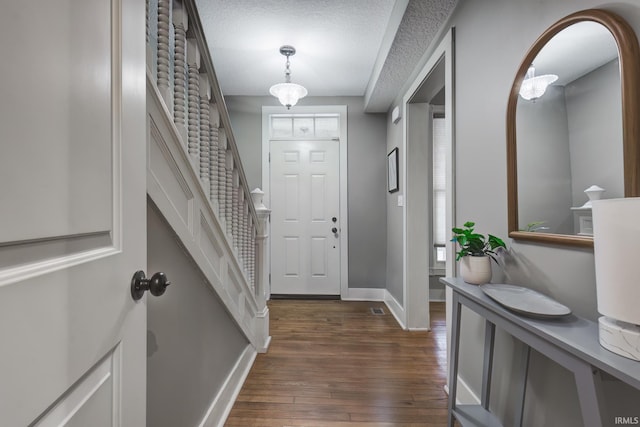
pixel 475 269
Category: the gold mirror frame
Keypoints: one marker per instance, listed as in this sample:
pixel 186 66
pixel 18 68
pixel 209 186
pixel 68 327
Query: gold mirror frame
pixel 629 57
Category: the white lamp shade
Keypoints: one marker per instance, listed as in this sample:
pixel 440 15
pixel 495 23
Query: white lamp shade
pixel 616 235
pixel 535 87
pixel 288 93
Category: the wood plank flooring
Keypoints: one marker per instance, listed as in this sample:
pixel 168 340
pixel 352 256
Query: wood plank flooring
pixel 335 364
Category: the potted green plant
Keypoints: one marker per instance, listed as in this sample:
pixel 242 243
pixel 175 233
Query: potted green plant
pixel 476 252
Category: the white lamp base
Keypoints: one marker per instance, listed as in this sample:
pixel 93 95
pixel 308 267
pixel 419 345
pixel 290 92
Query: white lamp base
pixel 620 337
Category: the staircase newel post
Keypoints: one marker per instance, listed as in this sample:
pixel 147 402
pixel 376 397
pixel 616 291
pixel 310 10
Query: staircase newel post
pixel 262 265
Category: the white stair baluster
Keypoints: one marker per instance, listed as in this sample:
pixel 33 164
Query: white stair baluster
pixel 243 230
pixel 222 175
pixel 180 26
pixel 148 33
pixel 252 253
pixel 163 53
pixel 235 209
pixel 214 118
pixel 205 133
pixel 241 210
pixel 229 192
pixel 193 97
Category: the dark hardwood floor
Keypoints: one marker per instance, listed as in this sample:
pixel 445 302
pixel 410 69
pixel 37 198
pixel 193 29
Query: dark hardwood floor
pixel 335 364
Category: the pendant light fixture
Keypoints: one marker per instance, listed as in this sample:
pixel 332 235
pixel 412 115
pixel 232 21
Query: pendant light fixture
pixel 533 87
pixel 288 93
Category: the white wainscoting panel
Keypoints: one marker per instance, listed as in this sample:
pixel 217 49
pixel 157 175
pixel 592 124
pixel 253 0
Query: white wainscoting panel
pixel 173 184
pixel 210 246
pixel 165 170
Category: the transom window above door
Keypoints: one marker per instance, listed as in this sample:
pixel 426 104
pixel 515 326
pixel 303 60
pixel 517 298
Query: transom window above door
pixel 307 126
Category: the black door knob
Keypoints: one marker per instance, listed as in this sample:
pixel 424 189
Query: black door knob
pixel 334 230
pixel 157 284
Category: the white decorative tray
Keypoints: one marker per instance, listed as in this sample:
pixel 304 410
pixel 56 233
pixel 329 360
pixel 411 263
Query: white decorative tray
pixel 525 301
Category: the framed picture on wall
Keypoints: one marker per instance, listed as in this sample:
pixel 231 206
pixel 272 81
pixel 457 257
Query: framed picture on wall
pixel 392 171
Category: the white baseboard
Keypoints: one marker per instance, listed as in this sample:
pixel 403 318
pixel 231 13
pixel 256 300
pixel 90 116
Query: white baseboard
pixel 365 294
pixel 464 394
pixel 223 402
pixel 396 309
pixel 437 295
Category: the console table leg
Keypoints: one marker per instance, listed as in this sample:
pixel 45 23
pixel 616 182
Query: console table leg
pixel 588 385
pixel 487 368
pixel 521 389
pixel 453 356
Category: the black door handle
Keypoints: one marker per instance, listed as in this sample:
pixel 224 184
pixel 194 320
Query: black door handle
pixel 334 230
pixel 157 284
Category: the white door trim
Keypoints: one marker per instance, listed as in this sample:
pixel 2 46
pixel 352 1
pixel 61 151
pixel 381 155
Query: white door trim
pixel 344 214
pixel 444 49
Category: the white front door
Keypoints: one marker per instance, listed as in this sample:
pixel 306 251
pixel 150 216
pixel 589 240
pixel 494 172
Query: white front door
pixel 72 213
pixel 305 222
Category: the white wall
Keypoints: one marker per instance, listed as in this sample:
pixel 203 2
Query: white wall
pixel 492 38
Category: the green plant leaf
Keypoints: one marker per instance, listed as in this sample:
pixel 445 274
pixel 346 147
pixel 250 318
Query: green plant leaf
pixel 475 244
pixel 496 242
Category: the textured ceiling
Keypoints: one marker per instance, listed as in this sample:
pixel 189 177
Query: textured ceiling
pixel 419 26
pixel 344 47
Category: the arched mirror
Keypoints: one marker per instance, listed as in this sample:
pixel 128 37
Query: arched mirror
pixel 573 130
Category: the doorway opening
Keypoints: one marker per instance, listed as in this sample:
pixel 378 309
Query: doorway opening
pixel 304 178
pixel 429 177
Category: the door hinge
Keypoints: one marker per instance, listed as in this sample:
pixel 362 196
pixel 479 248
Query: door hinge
pixel 269 278
pixel 269 157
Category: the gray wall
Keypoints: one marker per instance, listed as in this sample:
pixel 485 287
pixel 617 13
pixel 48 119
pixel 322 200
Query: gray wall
pixel 595 132
pixel 544 163
pixel 492 38
pixel 192 342
pixel 394 217
pixel 367 179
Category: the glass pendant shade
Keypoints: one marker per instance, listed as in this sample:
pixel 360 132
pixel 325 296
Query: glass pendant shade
pixel 288 93
pixel 533 87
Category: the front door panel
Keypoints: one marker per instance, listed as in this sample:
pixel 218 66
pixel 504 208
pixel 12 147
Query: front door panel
pixel 305 197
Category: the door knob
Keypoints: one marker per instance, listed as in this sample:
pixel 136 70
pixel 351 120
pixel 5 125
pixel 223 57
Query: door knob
pixel 334 230
pixel 157 284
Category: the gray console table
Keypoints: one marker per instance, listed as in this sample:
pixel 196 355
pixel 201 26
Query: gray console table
pixel 570 341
